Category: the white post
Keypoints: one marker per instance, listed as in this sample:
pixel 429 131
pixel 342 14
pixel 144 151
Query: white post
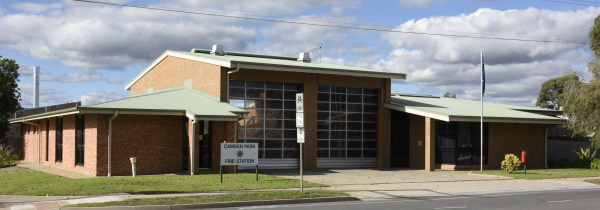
pixel 133 170
pixel 301 174
pixel 36 86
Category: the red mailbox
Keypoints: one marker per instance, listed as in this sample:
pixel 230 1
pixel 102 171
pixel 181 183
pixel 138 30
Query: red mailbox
pixel 523 156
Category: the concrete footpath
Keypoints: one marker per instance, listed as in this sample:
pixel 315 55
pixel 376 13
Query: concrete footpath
pixel 379 184
pixel 363 184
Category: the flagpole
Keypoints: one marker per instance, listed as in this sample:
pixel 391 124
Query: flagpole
pixel 481 119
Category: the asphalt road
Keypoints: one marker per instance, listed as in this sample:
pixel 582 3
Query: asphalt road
pixel 546 200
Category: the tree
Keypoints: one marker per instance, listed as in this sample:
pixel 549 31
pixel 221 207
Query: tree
pixel 449 95
pixel 551 94
pixel 9 94
pixel 581 101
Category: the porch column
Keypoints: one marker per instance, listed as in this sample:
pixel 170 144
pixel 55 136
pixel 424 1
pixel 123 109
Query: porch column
pixel 194 149
pixel 429 144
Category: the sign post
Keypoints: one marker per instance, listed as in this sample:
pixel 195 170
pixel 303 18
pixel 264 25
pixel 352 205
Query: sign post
pixel 235 154
pixel 300 132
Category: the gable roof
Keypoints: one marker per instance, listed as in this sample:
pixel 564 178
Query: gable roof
pixel 266 62
pixel 451 109
pixel 174 101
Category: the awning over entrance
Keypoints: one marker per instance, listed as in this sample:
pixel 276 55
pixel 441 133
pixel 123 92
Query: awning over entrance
pixel 452 109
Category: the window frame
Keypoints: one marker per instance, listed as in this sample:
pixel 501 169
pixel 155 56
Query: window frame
pixel 450 131
pixel 271 123
pixel 335 138
pixel 58 141
pixel 80 140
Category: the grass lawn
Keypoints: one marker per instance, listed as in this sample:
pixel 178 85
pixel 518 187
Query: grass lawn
pixel 232 197
pixel 545 173
pixel 594 181
pixel 30 182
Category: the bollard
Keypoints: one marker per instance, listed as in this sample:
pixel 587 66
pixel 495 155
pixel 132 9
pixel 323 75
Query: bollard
pixel 524 161
pixel 133 161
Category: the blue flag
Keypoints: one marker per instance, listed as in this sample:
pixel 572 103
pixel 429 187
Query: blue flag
pixel 482 76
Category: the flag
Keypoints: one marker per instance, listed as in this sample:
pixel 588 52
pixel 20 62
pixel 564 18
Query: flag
pixel 482 76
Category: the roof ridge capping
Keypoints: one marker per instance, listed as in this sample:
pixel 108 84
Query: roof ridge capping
pixel 205 51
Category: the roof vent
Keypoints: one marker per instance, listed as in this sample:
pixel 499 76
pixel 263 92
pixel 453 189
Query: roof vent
pixel 217 50
pixel 304 57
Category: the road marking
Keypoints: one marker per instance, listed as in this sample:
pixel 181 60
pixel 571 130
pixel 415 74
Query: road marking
pixel 558 201
pixel 459 207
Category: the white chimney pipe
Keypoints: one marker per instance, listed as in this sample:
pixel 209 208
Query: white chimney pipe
pixel 36 86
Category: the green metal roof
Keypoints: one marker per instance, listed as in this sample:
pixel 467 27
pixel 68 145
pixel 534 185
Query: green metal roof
pixel 451 109
pixel 268 62
pixel 193 103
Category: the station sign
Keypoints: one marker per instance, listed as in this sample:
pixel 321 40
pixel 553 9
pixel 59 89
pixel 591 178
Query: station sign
pixel 239 154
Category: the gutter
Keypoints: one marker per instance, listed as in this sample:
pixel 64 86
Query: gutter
pixel 110 141
pixel 39 139
pixel 228 81
pixel 69 111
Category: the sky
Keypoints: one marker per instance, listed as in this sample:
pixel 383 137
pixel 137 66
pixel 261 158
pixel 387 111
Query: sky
pixel 88 52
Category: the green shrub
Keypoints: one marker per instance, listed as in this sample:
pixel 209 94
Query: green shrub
pixel 586 156
pixel 7 159
pixel 510 163
pixel 595 164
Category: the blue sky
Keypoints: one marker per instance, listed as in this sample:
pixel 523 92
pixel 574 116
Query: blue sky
pixel 88 52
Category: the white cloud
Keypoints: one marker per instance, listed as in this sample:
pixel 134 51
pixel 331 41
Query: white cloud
pixel 47 97
pixel 36 8
pixel 514 69
pixel 89 36
pixel 266 7
pixel 48 75
pixel 419 3
pixel 98 97
pixel 114 80
pixel 301 38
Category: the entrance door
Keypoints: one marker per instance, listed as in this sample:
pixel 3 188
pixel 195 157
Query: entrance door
pixel 205 144
pixel 400 139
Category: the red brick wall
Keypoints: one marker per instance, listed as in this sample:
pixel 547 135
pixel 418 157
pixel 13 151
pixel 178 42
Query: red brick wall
pixel 31 144
pixel 173 71
pixel 155 140
pixel 505 138
pixel 221 132
pixel 416 134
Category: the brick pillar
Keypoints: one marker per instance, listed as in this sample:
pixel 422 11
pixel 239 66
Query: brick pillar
pixel 429 144
pixel 310 121
pixel 385 125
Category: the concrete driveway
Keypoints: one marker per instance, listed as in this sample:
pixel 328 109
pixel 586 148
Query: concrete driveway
pixel 369 184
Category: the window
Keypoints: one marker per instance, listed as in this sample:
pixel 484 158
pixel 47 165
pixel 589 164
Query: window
pixel 271 121
pixel 59 139
pixel 346 122
pixel 458 143
pixel 79 140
